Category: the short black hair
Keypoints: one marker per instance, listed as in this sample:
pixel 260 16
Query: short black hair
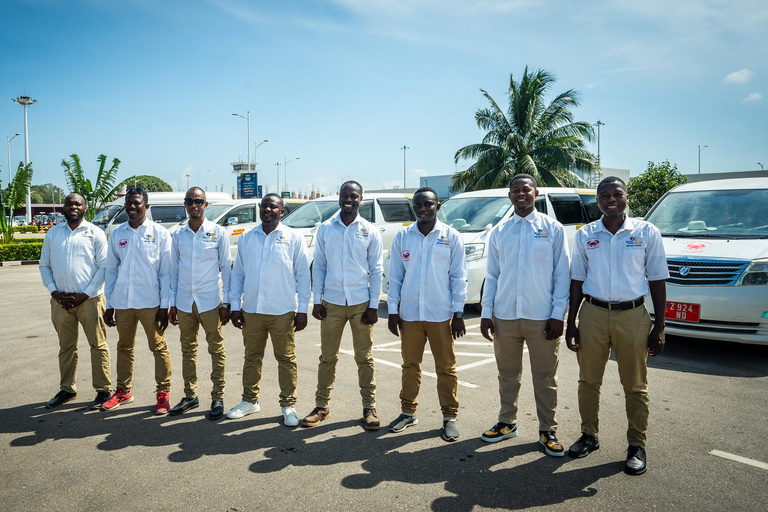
pixel 138 191
pixel 351 182
pixel 272 194
pixel 523 176
pixel 195 188
pixel 424 190
pixel 611 179
pixel 75 194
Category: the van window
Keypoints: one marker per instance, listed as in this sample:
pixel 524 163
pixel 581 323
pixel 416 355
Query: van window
pixel 366 211
pixel 590 206
pixel 396 210
pixel 102 218
pixel 473 214
pixel 311 213
pixel 541 205
pixel 163 214
pixel 242 214
pixel 120 217
pixel 567 208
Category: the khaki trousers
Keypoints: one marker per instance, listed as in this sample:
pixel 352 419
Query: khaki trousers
pixel 89 314
pixel 544 356
pixel 331 330
pixel 127 321
pixel 282 331
pixel 414 336
pixel 189 325
pixel 627 332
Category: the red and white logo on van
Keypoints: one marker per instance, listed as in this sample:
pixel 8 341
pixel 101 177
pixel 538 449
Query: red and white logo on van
pixel 406 255
pixel 695 247
pixel 593 243
pixel 123 243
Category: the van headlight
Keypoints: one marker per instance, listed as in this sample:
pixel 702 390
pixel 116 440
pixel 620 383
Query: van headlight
pixel 756 273
pixel 473 251
pixel 308 239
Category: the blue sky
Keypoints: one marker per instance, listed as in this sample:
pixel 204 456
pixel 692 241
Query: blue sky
pixel 344 84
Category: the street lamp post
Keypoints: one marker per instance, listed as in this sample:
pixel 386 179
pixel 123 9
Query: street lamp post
pixel 187 178
pixel 255 147
pixel 700 148
pixel 404 148
pixel 599 123
pixel 198 175
pixel 285 170
pixel 761 166
pixel 277 165
pixel 26 101
pixel 247 118
pixel 8 141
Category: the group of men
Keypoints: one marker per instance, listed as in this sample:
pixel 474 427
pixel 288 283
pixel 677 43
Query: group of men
pixel 144 274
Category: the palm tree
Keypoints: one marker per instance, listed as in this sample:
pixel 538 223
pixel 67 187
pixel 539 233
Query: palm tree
pixel 14 197
pixel 97 194
pixel 530 137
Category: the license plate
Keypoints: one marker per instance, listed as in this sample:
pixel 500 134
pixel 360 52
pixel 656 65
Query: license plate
pixel 682 311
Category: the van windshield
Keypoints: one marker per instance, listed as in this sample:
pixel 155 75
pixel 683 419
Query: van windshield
pixel 212 211
pixel 473 214
pixel 311 213
pixel 102 218
pixel 712 214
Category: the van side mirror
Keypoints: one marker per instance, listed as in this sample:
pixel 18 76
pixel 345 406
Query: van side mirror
pixel 232 221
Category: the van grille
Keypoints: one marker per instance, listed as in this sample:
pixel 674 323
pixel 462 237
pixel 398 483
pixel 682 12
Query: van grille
pixel 695 272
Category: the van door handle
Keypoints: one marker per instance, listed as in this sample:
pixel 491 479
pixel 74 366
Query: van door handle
pixel 382 229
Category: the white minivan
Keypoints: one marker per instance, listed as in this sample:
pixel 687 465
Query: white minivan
pixel 716 240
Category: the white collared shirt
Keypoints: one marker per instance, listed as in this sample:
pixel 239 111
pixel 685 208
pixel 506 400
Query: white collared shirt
pixel 270 270
pixel 74 261
pixel 427 274
pixel 527 274
pixel 138 267
pixel 617 268
pixel 196 260
pixel 348 263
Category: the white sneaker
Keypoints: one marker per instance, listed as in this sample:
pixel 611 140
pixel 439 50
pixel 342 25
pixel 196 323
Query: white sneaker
pixel 243 409
pixel 290 418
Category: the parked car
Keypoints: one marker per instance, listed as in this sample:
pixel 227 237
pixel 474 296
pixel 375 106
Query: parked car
pixel 716 239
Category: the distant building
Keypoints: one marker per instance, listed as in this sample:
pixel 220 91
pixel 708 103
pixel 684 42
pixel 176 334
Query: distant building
pixel 693 178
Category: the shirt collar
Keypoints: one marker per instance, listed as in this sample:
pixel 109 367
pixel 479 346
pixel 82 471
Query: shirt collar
pixel 628 224
pixel 280 227
pixel 83 225
pixel 528 218
pixel 439 226
pixel 337 218
pixel 207 225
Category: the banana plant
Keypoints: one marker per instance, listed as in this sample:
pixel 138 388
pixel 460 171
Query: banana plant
pixel 98 193
pixel 15 197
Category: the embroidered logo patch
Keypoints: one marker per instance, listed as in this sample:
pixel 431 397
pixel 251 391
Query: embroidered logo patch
pixel 123 243
pixel 443 240
pixel 540 233
pixel 593 243
pixel 406 255
pixel 281 239
pixel 209 236
pixel 634 241
pixel 149 238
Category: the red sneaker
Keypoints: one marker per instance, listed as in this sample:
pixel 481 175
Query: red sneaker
pixel 163 404
pixel 119 398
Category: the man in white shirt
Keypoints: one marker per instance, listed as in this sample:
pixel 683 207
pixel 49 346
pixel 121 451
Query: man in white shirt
pixel 137 287
pixel 428 286
pixel 271 268
pixel 199 254
pixel 524 301
pixel 617 260
pixel 346 284
pixel 72 265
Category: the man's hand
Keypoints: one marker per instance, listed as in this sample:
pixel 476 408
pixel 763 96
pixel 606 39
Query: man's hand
pixel 370 317
pixel 224 315
pixel 318 311
pixel 572 337
pixel 109 317
pixel 300 322
pixel 457 328
pixel 487 329
pixel 60 298
pixel 656 341
pixel 554 328
pixel 172 312
pixel 237 319
pixel 395 324
pixel 161 319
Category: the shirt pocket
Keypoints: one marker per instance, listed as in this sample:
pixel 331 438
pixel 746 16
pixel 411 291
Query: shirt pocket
pixel 542 250
pixel 441 256
pixel 210 251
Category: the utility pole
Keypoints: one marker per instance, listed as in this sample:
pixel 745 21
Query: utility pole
pixel 277 165
pixel 599 123
pixel 700 148
pixel 26 101
pixel 404 148
pixel 187 182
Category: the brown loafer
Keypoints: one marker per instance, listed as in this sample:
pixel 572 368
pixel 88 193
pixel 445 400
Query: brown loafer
pixel 371 419
pixel 317 415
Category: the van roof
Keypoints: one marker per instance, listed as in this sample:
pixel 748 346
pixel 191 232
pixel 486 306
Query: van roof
pixel 372 195
pixel 729 184
pixel 503 192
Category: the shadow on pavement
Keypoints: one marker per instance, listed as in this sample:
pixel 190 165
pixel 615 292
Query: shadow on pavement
pixel 712 358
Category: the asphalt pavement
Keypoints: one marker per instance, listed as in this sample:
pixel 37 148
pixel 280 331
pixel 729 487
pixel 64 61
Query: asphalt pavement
pixel 706 449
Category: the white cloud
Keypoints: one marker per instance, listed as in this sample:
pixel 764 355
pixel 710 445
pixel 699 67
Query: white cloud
pixel 391 184
pixel 419 172
pixel 739 77
pixel 755 96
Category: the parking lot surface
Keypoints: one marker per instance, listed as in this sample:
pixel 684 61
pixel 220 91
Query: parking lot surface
pixel 706 450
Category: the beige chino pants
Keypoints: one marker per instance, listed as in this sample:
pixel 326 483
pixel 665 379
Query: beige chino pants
pixel 189 325
pixel 127 321
pixel 282 331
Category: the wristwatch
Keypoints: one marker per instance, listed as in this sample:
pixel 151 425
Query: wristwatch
pixel 458 314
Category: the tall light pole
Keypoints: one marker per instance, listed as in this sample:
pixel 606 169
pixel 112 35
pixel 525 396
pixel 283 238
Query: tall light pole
pixel 247 118
pixel 198 176
pixel 187 186
pixel 404 148
pixel 599 123
pixel 700 148
pixel 285 170
pixel 277 165
pixel 255 147
pixel 761 166
pixel 8 141
pixel 26 101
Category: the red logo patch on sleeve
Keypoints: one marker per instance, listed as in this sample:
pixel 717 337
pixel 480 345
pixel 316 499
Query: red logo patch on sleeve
pixel 123 243
pixel 593 243
pixel 406 255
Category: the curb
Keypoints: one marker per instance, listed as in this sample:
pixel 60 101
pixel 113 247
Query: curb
pixel 18 263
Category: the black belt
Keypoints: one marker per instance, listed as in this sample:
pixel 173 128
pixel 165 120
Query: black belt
pixel 615 306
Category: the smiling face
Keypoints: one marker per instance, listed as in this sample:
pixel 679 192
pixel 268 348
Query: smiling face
pixel 191 200
pixel 350 197
pixel 522 194
pixel 612 199
pixel 136 208
pixel 74 208
pixel 426 205
pixel 270 211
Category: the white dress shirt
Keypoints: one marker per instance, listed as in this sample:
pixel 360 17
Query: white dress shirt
pixel 270 270
pixel 138 267
pixel 427 274
pixel 348 263
pixel 527 274
pixel 74 261
pixel 617 268
pixel 196 260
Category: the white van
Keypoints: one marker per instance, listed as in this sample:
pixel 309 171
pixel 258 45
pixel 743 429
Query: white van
pixel 165 208
pixel 716 239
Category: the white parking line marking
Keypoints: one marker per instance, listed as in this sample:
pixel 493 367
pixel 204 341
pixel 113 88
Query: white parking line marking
pixel 476 363
pixel 739 458
pixel 474 343
pixel 475 326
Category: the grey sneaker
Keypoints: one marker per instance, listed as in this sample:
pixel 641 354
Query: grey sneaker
pixel 450 430
pixel 403 422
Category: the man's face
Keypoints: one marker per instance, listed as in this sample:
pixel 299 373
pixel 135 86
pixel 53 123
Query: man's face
pixel 612 199
pixel 270 211
pixel 522 194
pixel 74 208
pixel 350 197
pixel 195 203
pixel 135 207
pixel 426 205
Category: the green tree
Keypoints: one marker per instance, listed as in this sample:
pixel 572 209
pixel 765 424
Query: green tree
pixel 96 194
pixel 49 193
pixel 148 183
pixel 530 137
pixel 644 190
pixel 15 196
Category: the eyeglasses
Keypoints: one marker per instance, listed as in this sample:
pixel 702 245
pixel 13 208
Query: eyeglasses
pixel 188 201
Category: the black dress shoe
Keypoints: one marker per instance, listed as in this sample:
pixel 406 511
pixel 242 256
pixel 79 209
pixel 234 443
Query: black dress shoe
pixel 585 445
pixel 61 397
pixel 217 410
pixel 635 464
pixel 183 406
pixel 101 397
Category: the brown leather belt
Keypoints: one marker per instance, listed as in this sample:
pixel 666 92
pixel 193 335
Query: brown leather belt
pixel 615 306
